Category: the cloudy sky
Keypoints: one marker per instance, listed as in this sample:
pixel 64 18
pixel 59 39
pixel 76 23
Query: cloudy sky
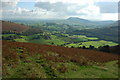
pixel 59 9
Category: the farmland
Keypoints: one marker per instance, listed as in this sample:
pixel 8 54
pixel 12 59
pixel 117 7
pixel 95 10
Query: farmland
pixel 93 43
pixel 47 50
pixel 66 40
pixel 51 36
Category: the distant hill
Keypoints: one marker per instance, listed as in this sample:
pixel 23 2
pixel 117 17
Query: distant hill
pixel 107 33
pixel 76 19
pixel 10 26
pixel 106 30
pixel 72 21
pixel 89 22
pixel 116 23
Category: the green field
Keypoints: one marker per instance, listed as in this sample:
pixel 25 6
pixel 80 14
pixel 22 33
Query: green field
pixel 39 41
pixel 73 40
pixel 20 40
pixel 92 38
pixel 83 36
pixel 96 44
pixel 6 35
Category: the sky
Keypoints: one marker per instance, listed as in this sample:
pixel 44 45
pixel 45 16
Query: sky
pixel 59 9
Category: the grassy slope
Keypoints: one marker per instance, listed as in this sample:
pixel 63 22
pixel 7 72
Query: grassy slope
pixel 27 60
pixel 109 70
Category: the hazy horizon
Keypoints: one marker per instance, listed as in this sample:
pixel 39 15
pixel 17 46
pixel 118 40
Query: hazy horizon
pixel 59 9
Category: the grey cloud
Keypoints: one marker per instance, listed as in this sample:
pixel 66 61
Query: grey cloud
pixel 119 6
pixel 43 5
pixel 60 8
pixel 108 7
pixel 8 4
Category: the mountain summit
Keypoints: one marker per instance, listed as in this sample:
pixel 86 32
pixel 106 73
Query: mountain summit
pixel 89 22
pixel 77 19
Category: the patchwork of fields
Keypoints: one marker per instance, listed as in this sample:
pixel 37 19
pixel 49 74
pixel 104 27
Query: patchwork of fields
pixel 64 40
pixel 51 50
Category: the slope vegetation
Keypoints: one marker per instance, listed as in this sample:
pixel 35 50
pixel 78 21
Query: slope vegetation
pixel 68 53
pixel 28 60
pixel 10 26
pixel 107 33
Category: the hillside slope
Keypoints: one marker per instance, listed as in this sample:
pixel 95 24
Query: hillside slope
pixel 107 33
pixel 28 60
pixel 89 22
pixel 10 26
pixel 76 19
pixel 72 53
pixel 115 49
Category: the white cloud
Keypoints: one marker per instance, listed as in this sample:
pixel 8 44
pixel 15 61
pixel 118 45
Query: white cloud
pixel 22 13
pixel 57 9
pixel 90 10
pixel 8 4
pixel 109 16
pixel 80 2
pixel 85 9
pixel 70 7
pixel 108 0
pixel 10 0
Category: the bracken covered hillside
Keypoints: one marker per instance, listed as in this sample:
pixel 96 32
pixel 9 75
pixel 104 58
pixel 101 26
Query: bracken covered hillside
pixel 10 26
pixel 28 60
pixel 68 53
